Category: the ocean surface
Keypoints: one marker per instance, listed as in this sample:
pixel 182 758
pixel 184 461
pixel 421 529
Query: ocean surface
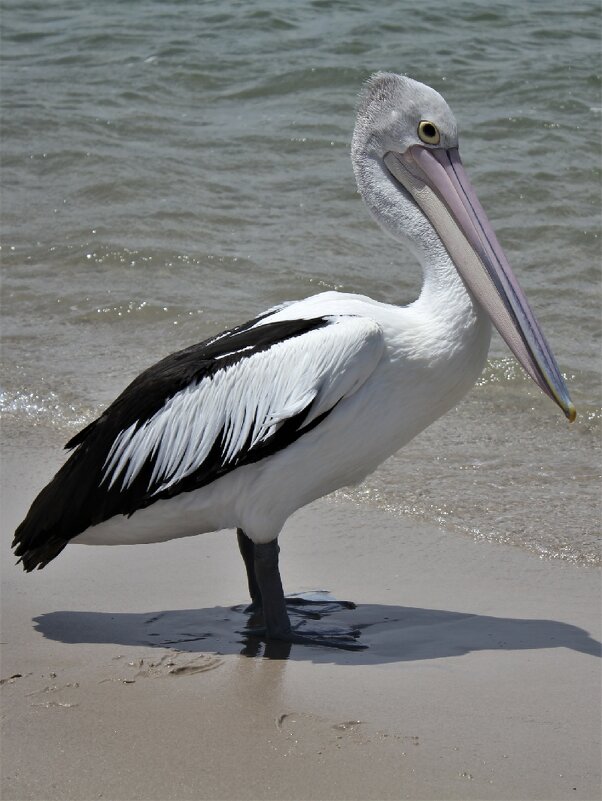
pixel 172 168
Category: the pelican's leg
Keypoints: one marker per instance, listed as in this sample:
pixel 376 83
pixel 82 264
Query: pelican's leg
pixel 247 551
pixel 308 607
pixel 275 615
pixel 267 573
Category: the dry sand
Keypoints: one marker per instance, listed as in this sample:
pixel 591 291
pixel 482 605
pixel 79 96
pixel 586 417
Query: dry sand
pixel 124 675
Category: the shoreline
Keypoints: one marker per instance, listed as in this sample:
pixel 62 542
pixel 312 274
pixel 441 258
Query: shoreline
pixel 481 679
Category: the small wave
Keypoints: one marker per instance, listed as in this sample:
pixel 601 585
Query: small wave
pixel 586 551
pixel 506 369
pixel 501 370
pixel 37 408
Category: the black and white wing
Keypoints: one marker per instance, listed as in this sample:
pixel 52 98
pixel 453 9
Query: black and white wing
pixel 197 415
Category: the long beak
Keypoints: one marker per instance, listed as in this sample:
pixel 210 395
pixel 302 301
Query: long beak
pixel 436 180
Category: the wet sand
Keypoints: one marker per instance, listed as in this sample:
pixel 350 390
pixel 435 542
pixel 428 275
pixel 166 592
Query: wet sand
pixel 125 676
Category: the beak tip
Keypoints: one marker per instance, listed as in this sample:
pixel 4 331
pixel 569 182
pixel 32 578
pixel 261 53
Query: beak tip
pixel 570 412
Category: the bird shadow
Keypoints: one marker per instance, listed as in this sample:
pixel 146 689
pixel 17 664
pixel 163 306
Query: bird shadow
pixel 390 633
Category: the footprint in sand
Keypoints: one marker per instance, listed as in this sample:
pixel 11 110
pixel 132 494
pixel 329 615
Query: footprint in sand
pixel 55 695
pixel 178 664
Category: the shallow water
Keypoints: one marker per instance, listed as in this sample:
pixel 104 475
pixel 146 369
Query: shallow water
pixel 172 168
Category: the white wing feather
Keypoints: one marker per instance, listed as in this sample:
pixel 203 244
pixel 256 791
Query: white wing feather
pixel 248 401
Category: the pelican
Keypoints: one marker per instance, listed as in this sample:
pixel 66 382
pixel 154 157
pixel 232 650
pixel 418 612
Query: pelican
pixel 241 430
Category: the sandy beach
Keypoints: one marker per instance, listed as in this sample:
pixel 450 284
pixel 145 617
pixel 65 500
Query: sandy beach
pixel 125 676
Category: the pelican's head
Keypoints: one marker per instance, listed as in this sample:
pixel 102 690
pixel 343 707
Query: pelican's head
pixel 391 109
pixel 406 141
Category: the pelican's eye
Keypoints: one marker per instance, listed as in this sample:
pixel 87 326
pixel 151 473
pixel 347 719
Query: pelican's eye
pixel 428 132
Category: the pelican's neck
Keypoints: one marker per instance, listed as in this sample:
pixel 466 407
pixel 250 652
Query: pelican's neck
pixel 443 291
pixel 444 294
